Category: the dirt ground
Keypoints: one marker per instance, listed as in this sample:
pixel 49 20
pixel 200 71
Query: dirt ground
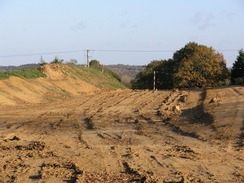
pixel 126 136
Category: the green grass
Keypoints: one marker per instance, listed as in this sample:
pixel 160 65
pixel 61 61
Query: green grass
pixel 26 73
pixel 90 75
pixel 95 77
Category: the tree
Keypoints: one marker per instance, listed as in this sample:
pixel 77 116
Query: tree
pixel 199 66
pixel 42 61
pixel 164 70
pixel 72 62
pixel 237 72
pixel 164 74
pixel 192 66
pixel 95 64
pixel 144 79
pixel 57 61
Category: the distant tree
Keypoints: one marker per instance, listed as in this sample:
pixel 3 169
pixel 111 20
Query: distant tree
pixel 72 62
pixel 164 74
pixel 95 64
pixel 42 61
pixel 199 66
pixel 126 80
pixel 237 72
pixel 57 61
pixel 144 79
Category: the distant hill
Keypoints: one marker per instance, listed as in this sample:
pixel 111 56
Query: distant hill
pixel 13 68
pixel 126 72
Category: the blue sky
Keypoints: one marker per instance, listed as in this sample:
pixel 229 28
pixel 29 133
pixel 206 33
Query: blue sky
pixel 47 26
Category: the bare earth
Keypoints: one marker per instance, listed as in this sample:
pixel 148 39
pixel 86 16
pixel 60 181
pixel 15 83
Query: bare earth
pixel 126 136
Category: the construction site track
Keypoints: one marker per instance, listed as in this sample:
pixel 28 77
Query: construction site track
pixel 126 136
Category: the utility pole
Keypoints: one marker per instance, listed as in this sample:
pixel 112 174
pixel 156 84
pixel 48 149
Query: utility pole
pixel 88 58
pixel 154 80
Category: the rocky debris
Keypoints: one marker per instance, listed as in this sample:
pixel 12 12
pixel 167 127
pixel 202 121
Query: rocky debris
pixel 15 138
pixel 176 109
pixel 214 100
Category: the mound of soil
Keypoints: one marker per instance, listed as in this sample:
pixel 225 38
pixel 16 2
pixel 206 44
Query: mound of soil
pixel 56 86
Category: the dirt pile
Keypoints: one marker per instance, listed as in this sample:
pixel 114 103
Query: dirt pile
pixel 126 136
pixel 59 84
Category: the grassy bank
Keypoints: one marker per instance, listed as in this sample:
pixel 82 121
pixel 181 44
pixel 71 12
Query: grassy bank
pixel 90 75
pixel 94 77
pixel 24 74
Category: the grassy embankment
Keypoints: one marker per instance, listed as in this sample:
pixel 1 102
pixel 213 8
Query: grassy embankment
pixel 24 74
pixel 90 75
pixel 94 77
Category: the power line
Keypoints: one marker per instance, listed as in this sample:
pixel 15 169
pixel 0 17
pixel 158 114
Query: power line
pixel 44 53
pixel 125 51
pixel 228 50
pixel 134 51
pixel 151 51
pixel 48 53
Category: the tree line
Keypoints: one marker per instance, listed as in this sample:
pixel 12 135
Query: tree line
pixel 193 66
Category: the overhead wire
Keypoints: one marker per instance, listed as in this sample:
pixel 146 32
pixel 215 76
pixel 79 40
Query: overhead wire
pixel 134 51
pixel 125 51
pixel 43 53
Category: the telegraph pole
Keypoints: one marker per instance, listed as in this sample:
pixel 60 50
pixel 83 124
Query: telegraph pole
pixel 154 80
pixel 88 58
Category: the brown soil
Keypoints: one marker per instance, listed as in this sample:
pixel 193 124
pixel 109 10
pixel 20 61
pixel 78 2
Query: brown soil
pixel 57 86
pixel 122 135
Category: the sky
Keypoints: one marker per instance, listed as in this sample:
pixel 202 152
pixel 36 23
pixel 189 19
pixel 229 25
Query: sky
pixel 133 32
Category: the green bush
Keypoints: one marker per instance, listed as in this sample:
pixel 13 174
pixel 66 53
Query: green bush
pixel 57 61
